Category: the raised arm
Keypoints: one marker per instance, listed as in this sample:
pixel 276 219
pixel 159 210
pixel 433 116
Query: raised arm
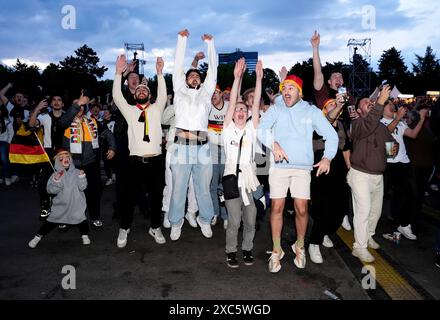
pixel 178 73
pixel 67 118
pixel 413 133
pixel 240 66
pixel 401 112
pixel 3 99
pixel 257 94
pixel 363 127
pixel 33 121
pixel 199 56
pixel 118 98
pixel 161 100
pixel 318 77
pixel 211 74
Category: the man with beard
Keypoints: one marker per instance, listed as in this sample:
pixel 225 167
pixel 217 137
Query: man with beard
pixel 191 154
pixel 287 130
pixel 145 145
pixel 53 138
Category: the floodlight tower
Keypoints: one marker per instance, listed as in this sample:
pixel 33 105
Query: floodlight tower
pixel 360 58
pixel 138 53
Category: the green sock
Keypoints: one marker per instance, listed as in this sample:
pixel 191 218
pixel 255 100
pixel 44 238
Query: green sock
pixel 277 245
pixel 300 243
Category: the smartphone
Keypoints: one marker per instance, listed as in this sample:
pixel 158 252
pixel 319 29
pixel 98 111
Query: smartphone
pixel 342 90
pixel 351 109
pixel 382 84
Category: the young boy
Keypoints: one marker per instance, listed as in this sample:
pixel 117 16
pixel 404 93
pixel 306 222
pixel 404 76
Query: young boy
pixel 67 185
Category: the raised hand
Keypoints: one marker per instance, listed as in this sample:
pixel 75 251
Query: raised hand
pixel 121 64
pixel 401 112
pixel 199 56
pixel 159 65
pixel 81 173
pixel 207 37
pixel 283 73
pixel 184 33
pixel 58 175
pixel 315 39
pixel 259 70
pixel 240 66
pixel 83 100
pixel 423 113
pixel 384 94
pixel 43 104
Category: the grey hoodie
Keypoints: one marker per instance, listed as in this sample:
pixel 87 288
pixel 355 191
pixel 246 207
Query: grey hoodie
pixel 69 204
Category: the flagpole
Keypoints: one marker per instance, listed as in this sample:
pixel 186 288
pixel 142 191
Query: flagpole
pixel 45 153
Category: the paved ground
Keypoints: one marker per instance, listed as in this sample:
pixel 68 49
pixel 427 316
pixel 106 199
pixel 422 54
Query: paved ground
pixel 192 268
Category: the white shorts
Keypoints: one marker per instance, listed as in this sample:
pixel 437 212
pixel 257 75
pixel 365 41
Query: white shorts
pixel 297 180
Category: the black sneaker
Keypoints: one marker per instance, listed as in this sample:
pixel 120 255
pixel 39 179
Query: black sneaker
pixel 231 260
pixel 437 260
pixel 248 258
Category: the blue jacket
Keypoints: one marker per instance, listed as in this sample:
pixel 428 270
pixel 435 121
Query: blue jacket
pixel 292 127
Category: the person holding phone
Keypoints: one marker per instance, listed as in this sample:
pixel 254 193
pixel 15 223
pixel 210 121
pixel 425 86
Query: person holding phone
pixel 365 177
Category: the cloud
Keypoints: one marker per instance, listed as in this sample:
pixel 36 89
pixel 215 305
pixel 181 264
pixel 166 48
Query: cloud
pixel 40 64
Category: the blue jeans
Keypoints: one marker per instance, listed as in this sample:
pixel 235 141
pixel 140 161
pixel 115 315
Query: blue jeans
pixel 187 159
pixel 218 167
pixel 4 159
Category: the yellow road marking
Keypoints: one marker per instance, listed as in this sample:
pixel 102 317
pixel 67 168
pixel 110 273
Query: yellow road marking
pixel 388 277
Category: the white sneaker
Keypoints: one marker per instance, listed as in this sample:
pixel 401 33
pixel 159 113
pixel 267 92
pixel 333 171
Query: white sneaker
pixel 373 244
pixel 166 222
pixel 214 220
pixel 33 243
pixel 114 177
pixel 225 224
pixel 205 227
pixel 109 182
pixel 363 255
pixel 300 260
pixel 14 179
pixel 327 242
pixel 8 182
pixel 315 253
pixel 157 235
pixel 346 223
pixel 85 239
pixel 176 231
pixel 191 217
pixel 274 261
pixel 407 232
pixel 122 238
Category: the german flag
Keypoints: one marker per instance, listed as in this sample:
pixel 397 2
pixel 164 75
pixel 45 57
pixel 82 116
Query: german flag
pixel 25 148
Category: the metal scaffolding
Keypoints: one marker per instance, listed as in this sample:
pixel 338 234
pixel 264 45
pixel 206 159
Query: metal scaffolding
pixel 360 58
pixel 135 51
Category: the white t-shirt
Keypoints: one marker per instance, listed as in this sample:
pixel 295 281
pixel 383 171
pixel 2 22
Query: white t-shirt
pixel 215 124
pixel 231 142
pixel 46 122
pixel 397 134
pixel 10 106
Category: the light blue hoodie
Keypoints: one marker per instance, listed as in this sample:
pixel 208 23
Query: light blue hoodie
pixel 292 127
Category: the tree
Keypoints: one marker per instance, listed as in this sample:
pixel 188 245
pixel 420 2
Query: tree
pixel 392 68
pixel 85 62
pixel 427 72
pixel 270 80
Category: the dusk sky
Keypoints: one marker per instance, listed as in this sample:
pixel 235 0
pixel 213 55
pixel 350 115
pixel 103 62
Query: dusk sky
pixel 280 30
